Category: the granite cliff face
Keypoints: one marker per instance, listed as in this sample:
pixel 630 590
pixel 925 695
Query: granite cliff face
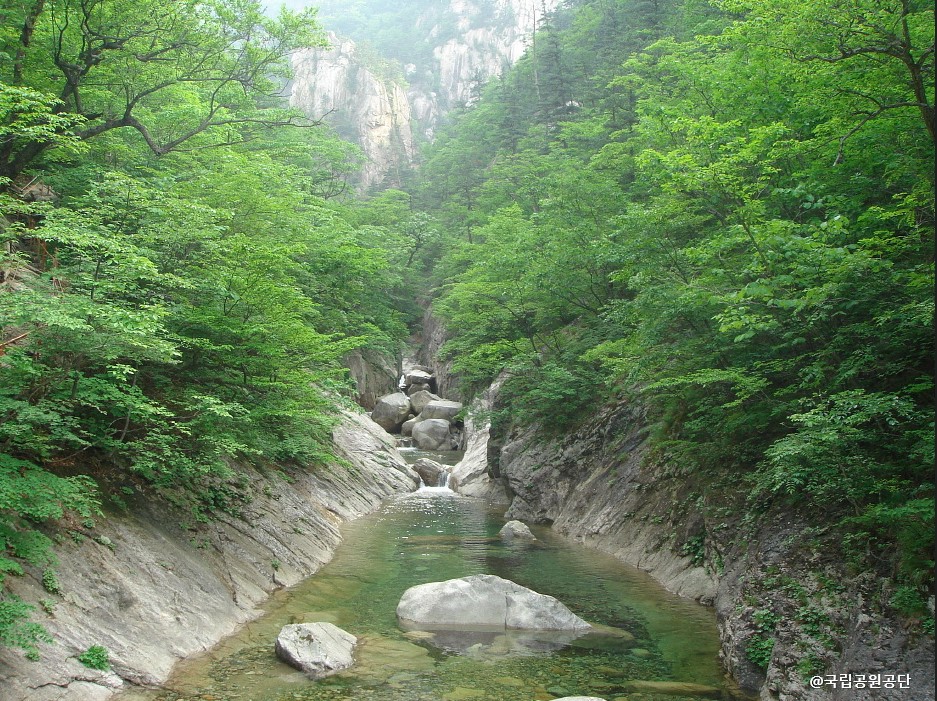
pixel 387 109
pixel 370 111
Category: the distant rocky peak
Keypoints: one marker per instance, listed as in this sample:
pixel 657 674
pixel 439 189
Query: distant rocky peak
pixel 387 112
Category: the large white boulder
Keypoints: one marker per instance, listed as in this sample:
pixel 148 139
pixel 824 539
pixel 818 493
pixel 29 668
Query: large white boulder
pixel 432 434
pixel 318 649
pixel 441 409
pixel 391 410
pixel 484 601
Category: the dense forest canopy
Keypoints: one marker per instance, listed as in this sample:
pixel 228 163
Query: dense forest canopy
pixel 720 210
pixel 177 288
pixel 724 212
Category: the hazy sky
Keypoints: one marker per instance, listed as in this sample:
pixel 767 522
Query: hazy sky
pixel 292 4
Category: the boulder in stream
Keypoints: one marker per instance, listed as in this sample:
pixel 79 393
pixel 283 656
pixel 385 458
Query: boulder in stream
pixel 430 471
pixel 441 409
pixel 318 649
pixel 391 410
pixel 432 434
pixel 407 428
pixel 516 530
pixel 484 601
pixel 420 398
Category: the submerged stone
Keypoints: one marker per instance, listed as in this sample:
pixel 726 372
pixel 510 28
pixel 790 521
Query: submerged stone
pixel 669 688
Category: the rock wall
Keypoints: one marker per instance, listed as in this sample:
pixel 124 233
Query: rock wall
pixel 153 586
pixel 783 578
pixel 375 374
pixel 473 475
pixel 432 339
pixel 386 117
pixel 365 108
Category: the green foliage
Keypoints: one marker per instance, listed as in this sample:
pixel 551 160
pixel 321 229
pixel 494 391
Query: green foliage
pixel 50 581
pixel 810 665
pixel 758 650
pixel 96 657
pixel 180 301
pixel 16 630
pixel 724 211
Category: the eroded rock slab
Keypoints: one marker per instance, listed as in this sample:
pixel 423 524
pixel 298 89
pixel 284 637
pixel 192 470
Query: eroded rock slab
pixel 441 409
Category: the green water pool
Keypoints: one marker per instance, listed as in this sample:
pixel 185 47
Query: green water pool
pixel 661 643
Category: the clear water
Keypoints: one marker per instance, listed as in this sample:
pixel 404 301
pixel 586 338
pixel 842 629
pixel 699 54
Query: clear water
pixel 433 535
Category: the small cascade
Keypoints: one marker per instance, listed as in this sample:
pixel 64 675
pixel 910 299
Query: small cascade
pixel 443 485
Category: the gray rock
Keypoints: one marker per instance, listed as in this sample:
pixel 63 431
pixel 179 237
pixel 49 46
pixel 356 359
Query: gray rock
pixel 484 601
pixel 432 434
pixel 414 377
pixel 472 473
pixel 430 471
pixel 318 649
pixel 406 429
pixel 391 410
pixel 441 409
pixel 516 529
pixel 417 388
pixel 129 598
pixel 374 374
pixel 420 398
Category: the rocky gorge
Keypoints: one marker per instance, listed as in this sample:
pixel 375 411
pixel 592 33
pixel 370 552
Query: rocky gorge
pixel 599 486
pixel 388 112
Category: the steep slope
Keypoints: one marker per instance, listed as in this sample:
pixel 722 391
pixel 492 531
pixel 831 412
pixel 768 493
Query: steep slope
pixel 152 586
pixel 781 578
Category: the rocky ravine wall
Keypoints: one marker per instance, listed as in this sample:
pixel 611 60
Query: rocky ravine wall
pixel 388 118
pixel 157 592
pixel 596 486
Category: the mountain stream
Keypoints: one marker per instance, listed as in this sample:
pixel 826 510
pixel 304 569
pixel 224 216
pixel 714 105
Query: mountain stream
pixel 432 535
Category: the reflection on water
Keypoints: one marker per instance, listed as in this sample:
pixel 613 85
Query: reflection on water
pixel 433 535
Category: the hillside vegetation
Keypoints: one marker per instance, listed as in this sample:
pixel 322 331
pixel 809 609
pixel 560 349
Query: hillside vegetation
pixel 722 211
